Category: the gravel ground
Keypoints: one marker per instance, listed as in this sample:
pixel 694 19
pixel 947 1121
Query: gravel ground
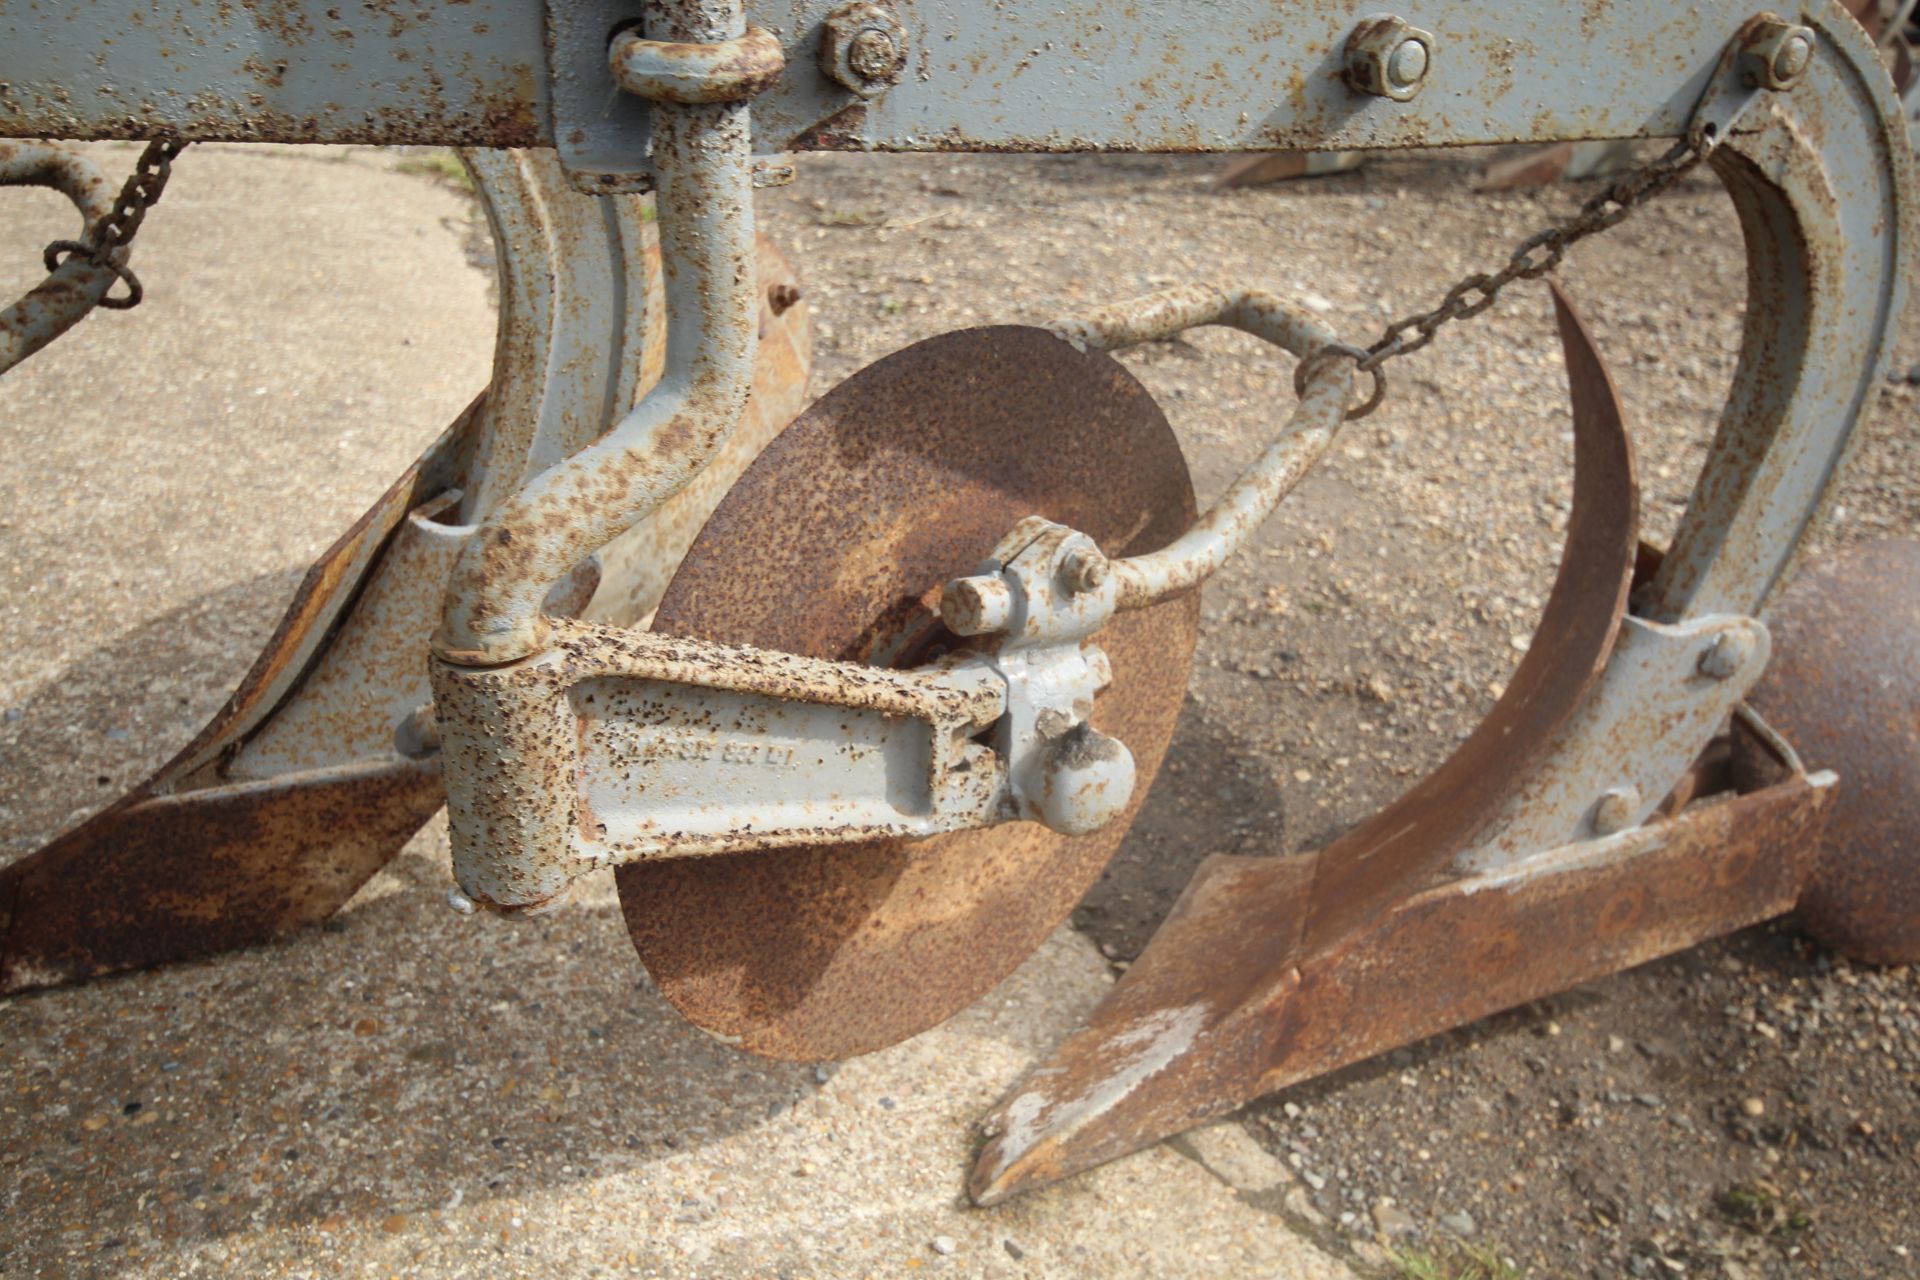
pixel 1607 1131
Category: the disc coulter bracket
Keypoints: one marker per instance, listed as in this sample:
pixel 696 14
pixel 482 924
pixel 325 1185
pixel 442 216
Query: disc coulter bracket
pixel 614 745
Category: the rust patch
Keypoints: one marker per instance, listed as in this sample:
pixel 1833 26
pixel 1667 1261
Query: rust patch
pixel 171 877
pixel 1168 1049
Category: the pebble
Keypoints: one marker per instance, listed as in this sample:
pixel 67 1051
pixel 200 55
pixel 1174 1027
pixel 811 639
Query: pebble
pixel 1753 1107
pixel 1393 1222
pixel 1460 1223
pixel 944 1246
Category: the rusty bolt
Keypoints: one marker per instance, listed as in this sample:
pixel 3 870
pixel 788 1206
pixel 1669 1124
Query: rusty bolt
pixel 1084 570
pixel 1616 810
pixel 1726 655
pixel 1777 54
pixel 976 606
pixel 1388 58
pixel 863 47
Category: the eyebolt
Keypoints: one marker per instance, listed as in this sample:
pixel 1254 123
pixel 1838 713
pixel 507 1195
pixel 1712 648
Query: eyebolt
pixel 1388 58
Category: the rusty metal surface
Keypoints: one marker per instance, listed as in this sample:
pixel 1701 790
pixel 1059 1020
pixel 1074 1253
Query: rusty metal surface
pixel 691 72
pixel 165 878
pixel 1246 927
pixel 1154 1061
pixel 275 70
pixel 616 746
pixel 77 285
pixel 301 787
pixel 1399 849
pixel 1023 75
pixel 1844 689
pixel 636 566
pixel 1823 179
pixel 835 544
pixel 560 516
pixel 1325 386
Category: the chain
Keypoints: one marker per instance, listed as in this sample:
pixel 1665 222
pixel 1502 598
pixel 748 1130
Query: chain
pixel 106 241
pixel 1536 255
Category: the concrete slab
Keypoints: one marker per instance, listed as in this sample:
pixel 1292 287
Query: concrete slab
pixel 410 1092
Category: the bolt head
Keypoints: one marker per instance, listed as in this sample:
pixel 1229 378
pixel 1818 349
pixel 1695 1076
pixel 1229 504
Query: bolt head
pixel 1776 54
pixel 1387 58
pixel 873 55
pixel 1408 66
pixel 863 47
pixel 1792 58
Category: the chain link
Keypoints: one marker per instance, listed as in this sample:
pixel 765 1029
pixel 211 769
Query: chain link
pixel 105 242
pixel 1535 257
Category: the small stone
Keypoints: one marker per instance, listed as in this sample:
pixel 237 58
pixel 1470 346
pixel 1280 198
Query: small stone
pixel 1393 1222
pixel 1753 1107
pixel 1313 1180
pixel 1291 1110
pixel 806 1170
pixel 1616 1044
pixel 944 1246
pixel 394 1223
pixel 94 1123
pixel 1014 1251
pixel 1460 1223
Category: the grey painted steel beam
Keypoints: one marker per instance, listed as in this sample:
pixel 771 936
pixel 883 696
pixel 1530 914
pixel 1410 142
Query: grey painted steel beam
pixel 1043 75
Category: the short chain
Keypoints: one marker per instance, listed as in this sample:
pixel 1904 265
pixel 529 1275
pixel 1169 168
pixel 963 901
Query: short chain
pixel 106 240
pixel 1535 257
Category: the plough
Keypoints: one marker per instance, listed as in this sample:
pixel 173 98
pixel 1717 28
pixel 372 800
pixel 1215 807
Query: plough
pixel 855 702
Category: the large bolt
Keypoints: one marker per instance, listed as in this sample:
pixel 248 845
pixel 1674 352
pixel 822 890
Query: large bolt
pixel 863 47
pixel 1776 54
pixel 1388 58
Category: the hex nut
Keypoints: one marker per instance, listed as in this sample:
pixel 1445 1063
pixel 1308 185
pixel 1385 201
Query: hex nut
pixel 1776 54
pixel 863 48
pixel 1388 58
pixel 1084 570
